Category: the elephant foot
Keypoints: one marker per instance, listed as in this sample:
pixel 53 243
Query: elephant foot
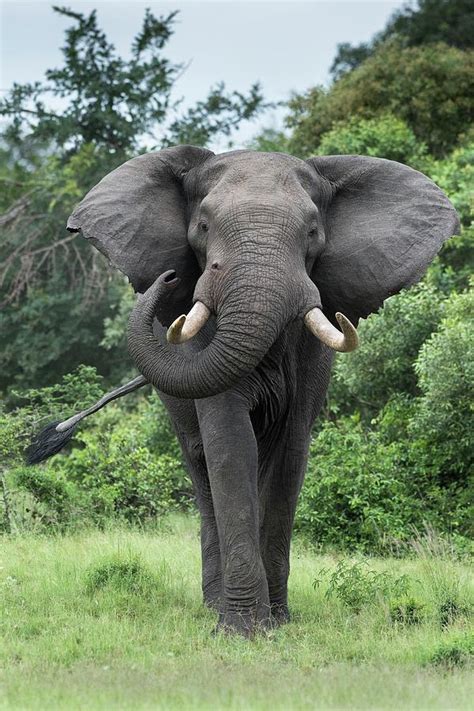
pixel 280 614
pixel 246 623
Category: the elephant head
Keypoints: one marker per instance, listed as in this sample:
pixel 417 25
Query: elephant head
pixel 258 240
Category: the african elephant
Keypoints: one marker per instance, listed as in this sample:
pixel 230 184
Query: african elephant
pixel 274 252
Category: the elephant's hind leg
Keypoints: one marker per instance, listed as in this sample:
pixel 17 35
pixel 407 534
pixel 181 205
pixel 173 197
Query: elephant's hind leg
pixel 210 550
pixel 185 422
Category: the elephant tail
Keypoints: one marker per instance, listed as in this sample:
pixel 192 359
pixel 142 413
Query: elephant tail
pixel 56 435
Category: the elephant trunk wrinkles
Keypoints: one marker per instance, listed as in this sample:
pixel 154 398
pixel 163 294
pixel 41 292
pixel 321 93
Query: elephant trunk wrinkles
pixel 248 324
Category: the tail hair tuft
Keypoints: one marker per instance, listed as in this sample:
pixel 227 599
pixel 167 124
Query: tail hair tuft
pixel 47 442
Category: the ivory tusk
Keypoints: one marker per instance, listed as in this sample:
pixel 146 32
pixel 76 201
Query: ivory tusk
pixel 185 327
pixel 323 329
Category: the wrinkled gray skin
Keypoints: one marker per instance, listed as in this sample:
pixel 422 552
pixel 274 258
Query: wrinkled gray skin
pixel 260 239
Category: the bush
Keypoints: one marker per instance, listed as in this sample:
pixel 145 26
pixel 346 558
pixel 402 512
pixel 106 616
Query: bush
pixel 113 471
pixel 389 343
pixel 457 652
pixel 406 610
pixel 124 574
pixel 124 462
pixel 383 137
pixel 358 494
pixel 445 369
pixel 357 585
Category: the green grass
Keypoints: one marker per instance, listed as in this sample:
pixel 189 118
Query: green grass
pixel 113 620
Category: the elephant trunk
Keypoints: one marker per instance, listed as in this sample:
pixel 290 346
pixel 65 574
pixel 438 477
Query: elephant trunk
pixel 249 319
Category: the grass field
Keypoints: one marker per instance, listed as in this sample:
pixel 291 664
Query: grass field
pixel 113 620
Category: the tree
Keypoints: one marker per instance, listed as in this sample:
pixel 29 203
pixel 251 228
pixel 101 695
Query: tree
pixel 430 88
pixel 426 22
pixel 114 102
pixel 55 291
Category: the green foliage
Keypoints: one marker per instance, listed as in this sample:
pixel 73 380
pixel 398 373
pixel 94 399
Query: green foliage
pixel 431 21
pixel 75 391
pixel 400 455
pixel 357 585
pixel 383 137
pixel 368 487
pixel 406 610
pixel 31 409
pixel 121 573
pixel 427 22
pixel 429 87
pixel 269 140
pixel 445 370
pixel 358 494
pixel 389 344
pixel 455 175
pixel 454 653
pixel 349 56
pixel 115 325
pixel 109 100
pixel 124 464
pixel 219 114
pixel 113 102
pixel 56 292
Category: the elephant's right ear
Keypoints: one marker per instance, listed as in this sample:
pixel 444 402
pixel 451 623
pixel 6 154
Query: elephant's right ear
pixel 136 216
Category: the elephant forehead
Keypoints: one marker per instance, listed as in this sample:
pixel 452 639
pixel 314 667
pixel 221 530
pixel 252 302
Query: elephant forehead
pixel 236 167
pixel 240 208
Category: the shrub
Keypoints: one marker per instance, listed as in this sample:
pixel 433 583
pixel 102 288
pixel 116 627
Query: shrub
pixel 457 652
pixel 357 585
pixel 123 462
pixel 119 470
pixel 126 574
pixel 389 343
pixel 406 610
pixel 359 493
pixel 445 368
pixel 384 137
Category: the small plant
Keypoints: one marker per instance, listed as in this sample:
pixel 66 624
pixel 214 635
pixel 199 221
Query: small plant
pixel 449 611
pixel 129 575
pixel 455 653
pixel 445 585
pixel 357 585
pixel 406 610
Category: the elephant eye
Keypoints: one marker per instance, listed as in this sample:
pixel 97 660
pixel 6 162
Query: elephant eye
pixel 203 226
pixel 313 232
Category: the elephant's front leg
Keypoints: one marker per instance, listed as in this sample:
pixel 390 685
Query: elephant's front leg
pixel 278 506
pixel 232 462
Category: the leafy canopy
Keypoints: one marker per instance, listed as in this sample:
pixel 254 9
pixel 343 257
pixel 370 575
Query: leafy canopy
pixel 423 22
pixel 115 102
pixel 62 134
pixel 430 88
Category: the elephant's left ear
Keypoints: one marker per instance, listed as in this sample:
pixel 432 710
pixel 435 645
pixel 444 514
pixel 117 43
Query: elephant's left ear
pixel 384 223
